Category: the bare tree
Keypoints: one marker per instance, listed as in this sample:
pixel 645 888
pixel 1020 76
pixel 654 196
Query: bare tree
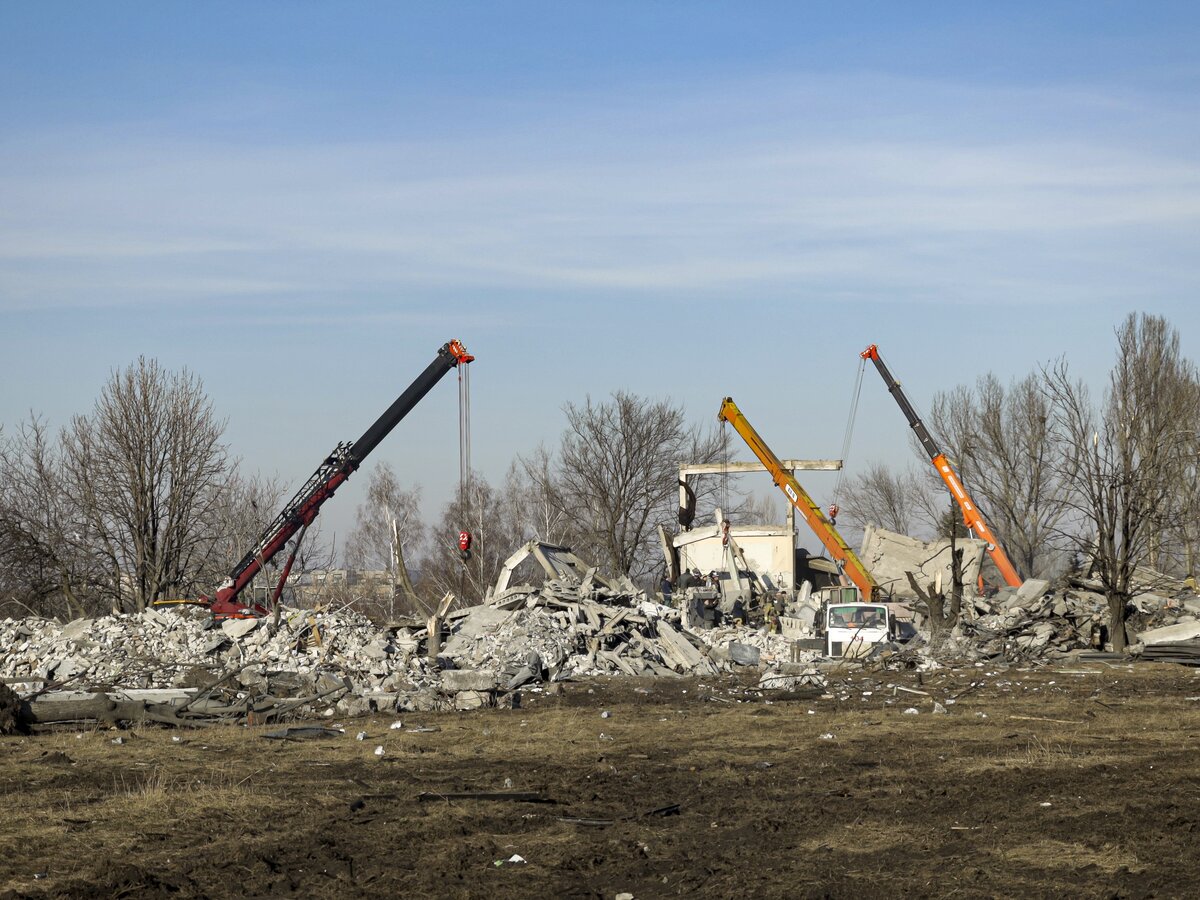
pixel 942 609
pixel 244 507
pixel 535 498
pixel 757 508
pixel 891 500
pixel 145 469
pixel 1004 450
pixel 617 474
pixel 1182 540
pixel 387 533
pixel 45 569
pixel 1124 461
pixel 486 514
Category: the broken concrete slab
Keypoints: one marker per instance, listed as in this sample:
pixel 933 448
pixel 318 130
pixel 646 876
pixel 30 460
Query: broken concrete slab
pixel 1031 589
pixel 891 558
pixel 683 655
pixel 457 680
pixel 1182 631
pixel 465 700
pixel 472 625
pixel 238 628
pixel 75 630
pixel 743 654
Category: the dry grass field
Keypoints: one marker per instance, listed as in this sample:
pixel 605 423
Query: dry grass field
pixel 1079 781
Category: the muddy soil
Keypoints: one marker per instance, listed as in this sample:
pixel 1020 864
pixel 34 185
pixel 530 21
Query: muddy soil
pixel 1079 781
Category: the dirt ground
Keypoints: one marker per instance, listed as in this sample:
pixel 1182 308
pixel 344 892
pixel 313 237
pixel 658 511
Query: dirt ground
pixel 1076 781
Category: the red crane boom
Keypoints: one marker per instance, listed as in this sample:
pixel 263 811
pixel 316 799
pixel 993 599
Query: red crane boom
pixel 971 514
pixel 300 511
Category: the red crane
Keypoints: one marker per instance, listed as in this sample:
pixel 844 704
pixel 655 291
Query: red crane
pixel 302 509
pixel 971 515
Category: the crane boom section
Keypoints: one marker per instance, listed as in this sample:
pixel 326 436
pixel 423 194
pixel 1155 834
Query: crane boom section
pixel 345 459
pixel 846 559
pixel 972 517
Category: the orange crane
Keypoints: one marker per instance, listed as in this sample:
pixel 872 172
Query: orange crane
pixel 847 562
pixel 971 515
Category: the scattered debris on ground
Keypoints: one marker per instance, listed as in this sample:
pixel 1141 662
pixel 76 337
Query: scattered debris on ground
pixel 1021 787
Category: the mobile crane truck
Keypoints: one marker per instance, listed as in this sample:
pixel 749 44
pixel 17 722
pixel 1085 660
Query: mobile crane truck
pixel 302 509
pixel 853 617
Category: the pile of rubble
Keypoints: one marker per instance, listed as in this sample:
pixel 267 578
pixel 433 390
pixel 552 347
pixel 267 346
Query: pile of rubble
pixel 615 635
pixel 1167 629
pixel 259 666
pixel 1036 622
pixel 1031 622
pixel 568 627
pixel 154 649
pixel 560 630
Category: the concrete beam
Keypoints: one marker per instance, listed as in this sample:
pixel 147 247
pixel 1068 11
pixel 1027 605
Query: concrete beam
pixel 736 468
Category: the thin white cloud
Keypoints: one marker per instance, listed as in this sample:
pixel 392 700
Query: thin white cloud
pixel 863 184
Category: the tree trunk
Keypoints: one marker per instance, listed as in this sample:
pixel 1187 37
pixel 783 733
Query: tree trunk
pixel 1116 621
pixel 934 603
pixel 956 584
pixel 404 580
pixel 99 708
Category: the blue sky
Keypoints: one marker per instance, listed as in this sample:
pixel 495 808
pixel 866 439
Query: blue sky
pixel 300 202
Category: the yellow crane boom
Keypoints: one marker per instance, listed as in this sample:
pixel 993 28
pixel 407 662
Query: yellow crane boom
pixel 845 558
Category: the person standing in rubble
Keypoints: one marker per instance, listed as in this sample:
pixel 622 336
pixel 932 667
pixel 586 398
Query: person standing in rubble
pixel 738 613
pixel 771 615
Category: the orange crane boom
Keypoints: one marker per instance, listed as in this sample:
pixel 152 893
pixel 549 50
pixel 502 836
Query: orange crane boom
pixel 971 515
pixel 849 564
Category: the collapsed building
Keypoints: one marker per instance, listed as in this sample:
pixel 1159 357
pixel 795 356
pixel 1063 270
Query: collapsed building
pixel 181 667
pixel 738 597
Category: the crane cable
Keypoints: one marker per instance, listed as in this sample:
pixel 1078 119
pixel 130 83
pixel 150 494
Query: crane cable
pixel 724 471
pixel 847 437
pixel 464 455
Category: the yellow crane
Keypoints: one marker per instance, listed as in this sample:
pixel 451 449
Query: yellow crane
pixel 847 561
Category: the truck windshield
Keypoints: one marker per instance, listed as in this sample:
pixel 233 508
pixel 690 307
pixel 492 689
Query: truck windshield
pixel 857 617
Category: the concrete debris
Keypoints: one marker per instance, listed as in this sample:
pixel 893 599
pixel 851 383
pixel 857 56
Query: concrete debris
pixel 1028 623
pixel 897 561
pixel 175 667
pixel 1186 653
pixel 456 680
pixel 474 699
pixel 1184 630
pixel 245 667
pixel 1041 622
pixel 793 677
